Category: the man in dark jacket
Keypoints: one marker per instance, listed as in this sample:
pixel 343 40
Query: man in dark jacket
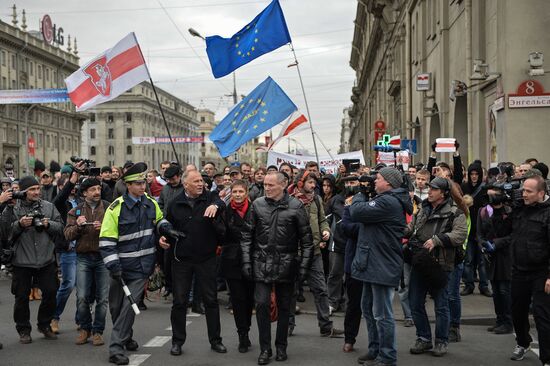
pixel 198 213
pixel 48 190
pixel 34 256
pixel 530 241
pixel 474 259
pixel 277 248
pixel 378 261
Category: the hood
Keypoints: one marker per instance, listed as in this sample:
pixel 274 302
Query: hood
pixel 475 168
pixel 404 198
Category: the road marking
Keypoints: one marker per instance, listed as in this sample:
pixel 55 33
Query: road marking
pixel 136 360
pixel 193 315
pixel 187 322
pixel 157 341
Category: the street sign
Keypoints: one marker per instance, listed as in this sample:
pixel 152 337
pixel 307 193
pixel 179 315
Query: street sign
pixel 424 81
pixel 409 145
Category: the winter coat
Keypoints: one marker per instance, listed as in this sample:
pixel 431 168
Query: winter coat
pixel 168 194
pixel 48 193
pixel 255 191
pixel 231 256
pixel 499 225
pixel 334 212
pixel 445 225
pixel 478 194
pixel 278 241
pixel 32 248
pixel 87 238
pixel 317 221
pixel 203 234
pixel 530 241
pixel 379 258
pixel 350 230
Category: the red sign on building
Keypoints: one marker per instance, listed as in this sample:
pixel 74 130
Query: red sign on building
pixel 530 94
pixel 32 146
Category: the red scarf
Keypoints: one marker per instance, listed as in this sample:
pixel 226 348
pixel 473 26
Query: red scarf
pixel 241 208
pixel 306 198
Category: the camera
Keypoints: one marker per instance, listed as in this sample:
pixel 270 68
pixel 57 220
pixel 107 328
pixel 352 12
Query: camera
pixel 37 217
pixel 18 195
pixel 90 168
pixel 510 191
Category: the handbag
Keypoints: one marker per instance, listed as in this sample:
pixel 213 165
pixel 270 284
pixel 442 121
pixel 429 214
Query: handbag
pixel 429 268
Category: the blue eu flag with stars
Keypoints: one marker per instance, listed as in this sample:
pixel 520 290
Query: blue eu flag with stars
pixel 265 107
pixel 264 34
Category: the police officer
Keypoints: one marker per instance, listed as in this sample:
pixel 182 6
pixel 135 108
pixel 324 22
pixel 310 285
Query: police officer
pixel 127 245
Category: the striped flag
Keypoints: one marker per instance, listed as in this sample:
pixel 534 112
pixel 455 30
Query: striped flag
pixel 108 75
pixel 444 144
pixel 292 126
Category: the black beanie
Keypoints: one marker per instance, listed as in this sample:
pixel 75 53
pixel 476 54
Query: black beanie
pixel 27 182
pixel 89 182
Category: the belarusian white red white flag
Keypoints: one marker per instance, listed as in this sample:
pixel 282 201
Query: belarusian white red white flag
pixel 395 141
pixel 108 75
pixel 292 126
pixel 445 144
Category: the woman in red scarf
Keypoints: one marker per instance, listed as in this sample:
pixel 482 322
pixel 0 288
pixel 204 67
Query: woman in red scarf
pixel 241 289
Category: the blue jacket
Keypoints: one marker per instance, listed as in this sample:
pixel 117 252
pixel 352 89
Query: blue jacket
pixel 378 258
pixel 350 230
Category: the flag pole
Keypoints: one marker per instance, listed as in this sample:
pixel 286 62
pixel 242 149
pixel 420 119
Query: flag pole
pixel 322 143
pixel 305 99
pixel 158 102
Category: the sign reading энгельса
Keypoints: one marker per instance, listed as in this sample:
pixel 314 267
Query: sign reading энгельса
pixel 530 94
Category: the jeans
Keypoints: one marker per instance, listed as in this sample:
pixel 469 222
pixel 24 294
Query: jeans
pixel 404 291
pixel 417 297
pixel 502 300
pixel 262 297
pixel 352 319
pixel 474 260
pixel 455 302
pixel 335 280
pixel 67 265
pixel 91 271
pixel 376 304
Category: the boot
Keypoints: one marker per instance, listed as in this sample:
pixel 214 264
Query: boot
pixel 31 295
pixel 454 335
pixel 244 342
pixel 55 326
pixel 82 337
pixel 36 294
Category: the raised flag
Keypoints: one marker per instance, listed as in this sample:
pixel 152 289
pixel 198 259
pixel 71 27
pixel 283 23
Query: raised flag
pixel 395 141
pixel 266 106
pixel 267 32
pixel 445 144
pixel 108 75
pixel 293 125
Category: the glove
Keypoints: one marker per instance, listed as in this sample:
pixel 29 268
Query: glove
pixel 247 271
pixel 457 144
pixel 433 146
pixel 488 246
pixel 116 275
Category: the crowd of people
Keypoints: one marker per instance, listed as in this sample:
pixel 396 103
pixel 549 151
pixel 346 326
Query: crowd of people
pixel 355 239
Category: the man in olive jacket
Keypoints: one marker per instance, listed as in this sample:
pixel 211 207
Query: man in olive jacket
pixel 277 247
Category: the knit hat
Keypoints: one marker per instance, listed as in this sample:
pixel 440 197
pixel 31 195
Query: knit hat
pixel 67 169
pixel 27 182
pixel 392 176
pixel 106 169
pixel 172 171
pixel 89 182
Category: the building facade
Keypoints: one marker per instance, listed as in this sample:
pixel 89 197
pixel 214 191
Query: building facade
pixel 29 62
pixel 345 132
pixel 452 68
pixel 111 130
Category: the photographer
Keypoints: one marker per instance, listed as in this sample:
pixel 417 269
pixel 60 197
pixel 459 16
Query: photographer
pixel 378 260
pixel 33 231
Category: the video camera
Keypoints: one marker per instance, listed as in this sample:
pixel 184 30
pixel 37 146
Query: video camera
pixel 90 168
pixel 510 188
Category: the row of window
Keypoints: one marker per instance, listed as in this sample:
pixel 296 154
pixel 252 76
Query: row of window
pixel 111 150
pixel 111 117
pixel 28 66
pixel 111 133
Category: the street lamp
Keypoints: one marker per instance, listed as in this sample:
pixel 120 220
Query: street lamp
pixel 194 33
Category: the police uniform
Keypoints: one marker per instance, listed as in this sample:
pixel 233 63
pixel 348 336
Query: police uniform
pixel 127 244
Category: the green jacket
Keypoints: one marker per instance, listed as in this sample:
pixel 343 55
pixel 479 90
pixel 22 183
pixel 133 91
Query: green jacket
pixel 317 222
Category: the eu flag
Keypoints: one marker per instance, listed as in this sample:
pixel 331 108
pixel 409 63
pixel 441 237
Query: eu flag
pixel 264 34
pixel 263 108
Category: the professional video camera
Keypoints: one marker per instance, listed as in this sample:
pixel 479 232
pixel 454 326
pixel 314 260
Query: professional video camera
pixel 509 188
pixel 89 166
pixel 17 195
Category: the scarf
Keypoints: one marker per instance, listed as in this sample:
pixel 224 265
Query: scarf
pixel 306 198
pixel 240 208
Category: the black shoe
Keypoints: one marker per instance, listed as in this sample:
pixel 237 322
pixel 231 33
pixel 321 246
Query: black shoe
pixel 492 328
pixel 421 346
pixel 131 345
pixel 486 292
pixel 503 329
pixel 454 335
pixel 264 357
pixel 198 309
pixel 244 342
pixel 300 298
pixel 218 347
pixel 467 291
pixel 175 350
pixel 25 338
pixel 281 354
pixel 366 357
pixel 141 306
pixel 119 360
pixel 48 334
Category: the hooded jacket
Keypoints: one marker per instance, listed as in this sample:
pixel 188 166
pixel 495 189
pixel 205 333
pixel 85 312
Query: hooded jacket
pixel 378 258
pixel 478 194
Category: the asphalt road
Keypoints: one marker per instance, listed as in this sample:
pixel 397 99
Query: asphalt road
pixel 152 331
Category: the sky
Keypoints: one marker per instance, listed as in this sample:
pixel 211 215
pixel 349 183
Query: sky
pixel 321 32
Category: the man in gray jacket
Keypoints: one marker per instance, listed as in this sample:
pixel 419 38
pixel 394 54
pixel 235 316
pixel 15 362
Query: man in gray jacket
pixel 36 225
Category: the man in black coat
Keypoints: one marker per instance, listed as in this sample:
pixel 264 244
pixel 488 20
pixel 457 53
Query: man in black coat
pixel 198 214
pixel 278 246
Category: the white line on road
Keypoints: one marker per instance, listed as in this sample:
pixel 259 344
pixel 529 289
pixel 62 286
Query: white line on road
pixel 193 315
pixel 187 322
pixel 136 360
pixel 157 341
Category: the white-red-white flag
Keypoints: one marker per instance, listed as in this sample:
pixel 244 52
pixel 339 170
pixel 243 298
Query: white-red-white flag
pixel 292 126
pixel 108 75
pixel 395 141
pixel 445 144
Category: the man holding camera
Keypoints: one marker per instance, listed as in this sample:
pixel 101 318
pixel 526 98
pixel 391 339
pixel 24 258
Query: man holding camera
pixel 530 241
pixel 33 231
pixel 378 260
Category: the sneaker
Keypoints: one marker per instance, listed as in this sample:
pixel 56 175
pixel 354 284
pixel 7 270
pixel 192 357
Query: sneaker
pixel 25 338
pixel 97 339
pixel 519 353
pixel 440 350
pixel 486 292
pixel 454 335
pixel 503 329
pixel 420 347
pixel 331 310
pixel 83 336
pixel 48 334
pixel 290 330
pixel 55 326
pixel 366 357
pixel 408 323
pixel 332 333
pixel 467 291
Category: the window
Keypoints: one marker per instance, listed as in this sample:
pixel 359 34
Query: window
pixel 110 117
pixel 3 58
pixel 13 62
pixel 32 68
pixel 128 133
pixel 4 83
pixel 40 71
pixel 63 143
pixel 47 72
pixel 13 86
pixel 92 150
pixel 111 150
pixel 48 139
pixel 203 119
pixel 92 117
pixel 92 133
pixel 111 133
pixel 128 116
pixel 129 149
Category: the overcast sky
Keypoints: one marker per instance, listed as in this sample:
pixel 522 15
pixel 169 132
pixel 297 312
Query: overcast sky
pixel 321 32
